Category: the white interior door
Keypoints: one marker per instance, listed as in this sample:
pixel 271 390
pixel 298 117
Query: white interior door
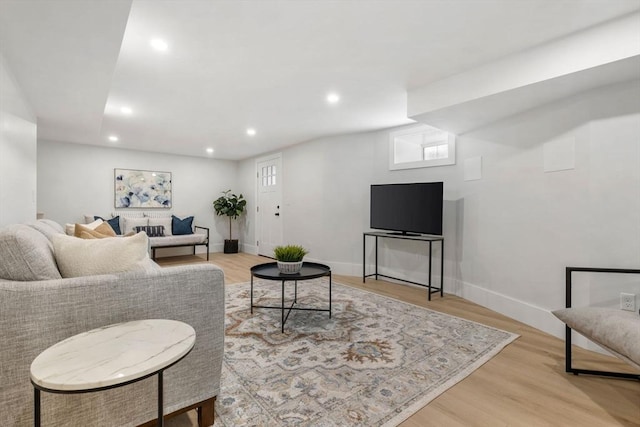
pixel 269 223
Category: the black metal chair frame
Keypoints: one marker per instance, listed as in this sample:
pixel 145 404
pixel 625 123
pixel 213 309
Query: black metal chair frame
pixel 569 368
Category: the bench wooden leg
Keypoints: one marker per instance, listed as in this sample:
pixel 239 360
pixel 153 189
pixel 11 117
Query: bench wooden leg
pixel 205 411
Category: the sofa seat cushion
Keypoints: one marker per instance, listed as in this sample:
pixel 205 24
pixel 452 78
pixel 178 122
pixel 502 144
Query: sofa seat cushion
pixel 88 257
pixel 183 239
pixel 617 331
pixel 26 254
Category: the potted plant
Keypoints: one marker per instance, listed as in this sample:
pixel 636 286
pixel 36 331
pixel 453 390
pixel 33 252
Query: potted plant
pixel 232 206
pixel 289 258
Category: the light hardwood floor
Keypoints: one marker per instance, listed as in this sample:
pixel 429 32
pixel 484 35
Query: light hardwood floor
pixel 524 385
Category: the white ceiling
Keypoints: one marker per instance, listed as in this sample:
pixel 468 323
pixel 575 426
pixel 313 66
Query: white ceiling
pixel 266 64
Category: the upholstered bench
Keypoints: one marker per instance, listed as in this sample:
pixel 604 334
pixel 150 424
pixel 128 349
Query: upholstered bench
pixel 164 229
pixel 183 240
pixel 615 330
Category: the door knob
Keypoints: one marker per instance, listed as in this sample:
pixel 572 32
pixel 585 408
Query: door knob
pixel 277 213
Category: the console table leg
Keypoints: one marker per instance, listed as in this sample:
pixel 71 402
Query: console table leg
pixel 429 280
pixel 330 295
pixel 376 257
pixel 36 407
pixel 364 250
pixel 442 268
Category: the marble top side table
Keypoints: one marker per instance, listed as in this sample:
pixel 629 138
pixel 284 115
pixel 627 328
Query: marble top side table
pixel 111 356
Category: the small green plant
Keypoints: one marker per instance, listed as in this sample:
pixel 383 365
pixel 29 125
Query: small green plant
pixel 289 253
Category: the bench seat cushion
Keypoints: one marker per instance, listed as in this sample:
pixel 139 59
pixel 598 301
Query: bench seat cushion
pixel 617 331
pixel 183 239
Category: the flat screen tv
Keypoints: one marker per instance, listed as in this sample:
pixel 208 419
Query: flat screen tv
pixel 407 208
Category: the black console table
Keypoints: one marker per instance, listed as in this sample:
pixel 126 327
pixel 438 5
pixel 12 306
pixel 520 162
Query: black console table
pixel 387 235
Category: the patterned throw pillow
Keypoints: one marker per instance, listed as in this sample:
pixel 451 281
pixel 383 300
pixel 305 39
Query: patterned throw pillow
pixel 181 226
pixel 152 230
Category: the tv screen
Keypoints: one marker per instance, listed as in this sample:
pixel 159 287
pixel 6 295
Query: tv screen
pixel 407 208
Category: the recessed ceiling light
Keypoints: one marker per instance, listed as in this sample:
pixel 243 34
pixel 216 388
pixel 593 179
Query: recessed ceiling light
pixel 251 132
pixel 113 138
pixel 333 98
pixel 159 45
pixel 210 150
pixel 126 110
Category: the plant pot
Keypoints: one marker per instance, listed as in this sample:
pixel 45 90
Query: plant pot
pixel 230 246
pixel 289 267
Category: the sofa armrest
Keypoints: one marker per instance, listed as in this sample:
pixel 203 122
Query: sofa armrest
pixel 36 315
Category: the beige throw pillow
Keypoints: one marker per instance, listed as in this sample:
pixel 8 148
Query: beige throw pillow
pixel 88 257
pixel 102 230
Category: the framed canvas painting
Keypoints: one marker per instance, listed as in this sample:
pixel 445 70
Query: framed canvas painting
pixel 142 189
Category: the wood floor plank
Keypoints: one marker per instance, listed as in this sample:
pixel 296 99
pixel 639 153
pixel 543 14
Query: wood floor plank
pixel 524 385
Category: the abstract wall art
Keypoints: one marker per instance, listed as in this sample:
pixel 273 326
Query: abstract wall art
pixel 142 189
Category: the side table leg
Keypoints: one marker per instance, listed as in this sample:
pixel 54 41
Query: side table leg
pixel 251 293
pixel 282 305
pixel 442 268
pixel 36 407
pixel 160 401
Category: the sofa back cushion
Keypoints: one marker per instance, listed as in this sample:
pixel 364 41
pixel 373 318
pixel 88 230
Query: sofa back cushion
pixel 46 228
pixel 26 255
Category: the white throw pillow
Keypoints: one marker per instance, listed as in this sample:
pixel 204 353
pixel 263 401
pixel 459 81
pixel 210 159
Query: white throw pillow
pixel 130 224
pixel 87 257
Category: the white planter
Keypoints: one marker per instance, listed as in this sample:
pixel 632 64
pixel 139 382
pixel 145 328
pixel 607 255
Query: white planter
pixel 289 267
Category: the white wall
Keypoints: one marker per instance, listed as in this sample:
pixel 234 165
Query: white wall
pixel 325 204
pixel 75 179
pixel 509 235
pixel 18 170
pixel 522 226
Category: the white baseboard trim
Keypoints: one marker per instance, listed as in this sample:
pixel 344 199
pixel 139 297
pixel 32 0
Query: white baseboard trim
pixel 249 249
pixel 530 314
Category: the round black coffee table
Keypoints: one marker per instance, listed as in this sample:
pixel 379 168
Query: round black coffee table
pixel 309 270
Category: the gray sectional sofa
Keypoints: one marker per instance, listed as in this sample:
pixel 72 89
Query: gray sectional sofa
pixel 40 308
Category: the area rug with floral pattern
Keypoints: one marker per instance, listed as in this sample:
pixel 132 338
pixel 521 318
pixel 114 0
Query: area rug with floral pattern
pixel 375 362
